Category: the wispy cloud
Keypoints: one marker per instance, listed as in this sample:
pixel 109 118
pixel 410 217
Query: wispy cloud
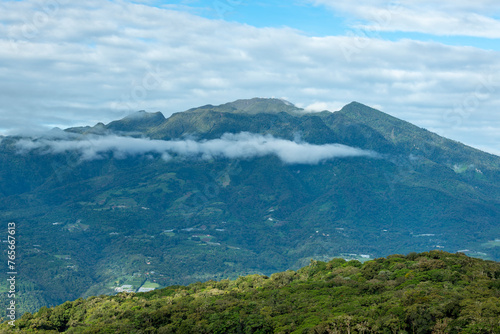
pixel 443 18
pixel 233 146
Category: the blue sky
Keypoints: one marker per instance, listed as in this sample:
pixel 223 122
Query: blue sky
pixel 435 64
pixel 310 19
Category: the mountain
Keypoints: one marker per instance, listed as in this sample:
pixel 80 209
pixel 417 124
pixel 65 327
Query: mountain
pixel 137 122
pixel 432 292
pixel 411 138
pixel 249 187
pixel 253 106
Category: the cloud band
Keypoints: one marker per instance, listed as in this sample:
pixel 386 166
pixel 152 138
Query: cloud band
pixel 232 146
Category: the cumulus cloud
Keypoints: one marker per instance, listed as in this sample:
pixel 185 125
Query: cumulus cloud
pixel 321 106
pixel 233 146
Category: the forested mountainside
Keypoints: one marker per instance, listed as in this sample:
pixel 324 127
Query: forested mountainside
pixel 431 292
pixel 249 187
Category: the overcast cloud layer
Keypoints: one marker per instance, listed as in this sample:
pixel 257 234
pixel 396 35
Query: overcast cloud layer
pixel 68 63
pixel 233 146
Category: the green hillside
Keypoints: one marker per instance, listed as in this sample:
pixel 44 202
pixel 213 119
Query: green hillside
pixel 92 226
pixel 432 292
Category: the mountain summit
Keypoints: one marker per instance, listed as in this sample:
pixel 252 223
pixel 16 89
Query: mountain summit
pixel 262 105
pixel 138 121
pixel 252 106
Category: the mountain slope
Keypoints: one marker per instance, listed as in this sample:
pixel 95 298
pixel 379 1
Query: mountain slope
pixel 124 210
pixel 434 292
pixel 135 123
pixel 414 139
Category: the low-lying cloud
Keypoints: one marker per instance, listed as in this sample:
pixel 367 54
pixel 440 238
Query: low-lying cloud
pixel 233 146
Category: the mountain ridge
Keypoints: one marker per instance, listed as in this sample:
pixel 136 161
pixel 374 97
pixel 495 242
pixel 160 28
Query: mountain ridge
pixel 393 129
pixel 202 120
pixel 383 123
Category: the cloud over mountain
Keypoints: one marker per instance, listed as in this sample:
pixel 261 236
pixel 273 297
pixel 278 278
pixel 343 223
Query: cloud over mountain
pixel 233 146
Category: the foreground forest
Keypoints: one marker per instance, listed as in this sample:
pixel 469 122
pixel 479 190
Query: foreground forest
pixel 431 292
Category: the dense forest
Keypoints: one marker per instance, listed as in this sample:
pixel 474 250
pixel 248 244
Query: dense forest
pixel 431 292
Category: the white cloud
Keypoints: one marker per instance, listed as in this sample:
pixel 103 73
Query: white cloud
pixel 80 63
pixel 321 106
pixel 234 146
pixel 444 18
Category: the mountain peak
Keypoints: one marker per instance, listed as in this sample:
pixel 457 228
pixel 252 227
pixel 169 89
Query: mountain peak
pixel 256 105
pixel 142 114
pixel 262 105
pixel 137 121
pixel 244 103
pixel 372 117
pixel 359 109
